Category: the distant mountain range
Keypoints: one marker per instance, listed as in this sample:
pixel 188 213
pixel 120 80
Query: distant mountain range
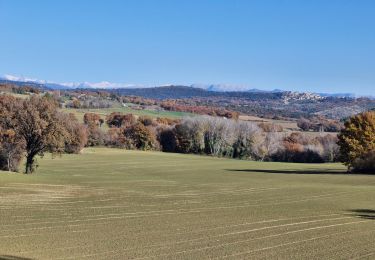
pixel 269 104
pixel 232 88
pixel 124 88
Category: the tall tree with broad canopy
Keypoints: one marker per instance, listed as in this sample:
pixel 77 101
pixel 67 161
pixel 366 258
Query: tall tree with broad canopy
pixel 357 142
pixel 40 125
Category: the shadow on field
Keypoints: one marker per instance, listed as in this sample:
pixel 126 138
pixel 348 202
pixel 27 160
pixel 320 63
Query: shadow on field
pixel 305 171
pixel 364 213
pixel 12 257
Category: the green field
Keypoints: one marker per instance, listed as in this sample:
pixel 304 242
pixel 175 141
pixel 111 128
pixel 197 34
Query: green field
pixel 116 204
pixel 79 113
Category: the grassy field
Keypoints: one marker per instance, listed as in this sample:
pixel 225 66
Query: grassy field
pixel 116 204
pixel 79 113
pixel 288 125
pixel 23 96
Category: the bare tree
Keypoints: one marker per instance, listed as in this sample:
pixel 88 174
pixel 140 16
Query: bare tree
pixel 268 144
pixel 246 136
pixel 190 134
pixel 219 135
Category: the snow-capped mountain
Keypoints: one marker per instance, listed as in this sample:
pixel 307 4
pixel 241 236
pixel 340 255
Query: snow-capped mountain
pixel 112 85
pixel 70 85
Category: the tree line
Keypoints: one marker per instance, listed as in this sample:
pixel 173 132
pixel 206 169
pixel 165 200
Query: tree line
pixel 319 124
pixel 33 126
pixel 214 136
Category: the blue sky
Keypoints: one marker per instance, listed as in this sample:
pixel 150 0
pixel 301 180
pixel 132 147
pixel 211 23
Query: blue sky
pixel 321 46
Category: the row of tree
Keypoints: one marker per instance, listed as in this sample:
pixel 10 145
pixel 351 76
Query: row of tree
pixel 33 126
pixel 355 145
pixel 212 136
pixel 319 124
pixel 246 140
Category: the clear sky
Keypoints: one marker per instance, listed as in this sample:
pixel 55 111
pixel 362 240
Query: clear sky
pixel 321 46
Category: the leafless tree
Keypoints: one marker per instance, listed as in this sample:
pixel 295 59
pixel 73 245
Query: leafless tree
pixel 219 135
pixel 268 144
pixel 247 134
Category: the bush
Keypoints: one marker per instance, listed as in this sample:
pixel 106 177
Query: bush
pixel 115 138
pixel 95 136
pixel 138 136
pixel 365 164
pixel 297 156
pixel 116 119
pixel 168 140
pixel 92 119
pixel 145 120
pixel 304 124
pixel 302 148
pixel 319 123
pixel 78 134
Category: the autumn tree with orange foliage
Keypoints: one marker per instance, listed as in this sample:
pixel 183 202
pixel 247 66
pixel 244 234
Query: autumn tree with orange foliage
pixel 10 150
pixel 78 134
pixel 117 119
pixel 139 137
pixel 38 122
pixel 92 119
pixel 34 126
pixel 357 142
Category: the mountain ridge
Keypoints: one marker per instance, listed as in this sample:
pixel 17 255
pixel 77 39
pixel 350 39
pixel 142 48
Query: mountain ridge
pixel 122 86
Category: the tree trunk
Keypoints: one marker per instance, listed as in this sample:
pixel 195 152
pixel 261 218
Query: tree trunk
pixel 29 164
pixel 8 161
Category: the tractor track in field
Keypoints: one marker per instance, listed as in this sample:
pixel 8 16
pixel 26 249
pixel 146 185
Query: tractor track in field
pixel 160 256
pixel 195 210
pixel 116 216
pixel 199 240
